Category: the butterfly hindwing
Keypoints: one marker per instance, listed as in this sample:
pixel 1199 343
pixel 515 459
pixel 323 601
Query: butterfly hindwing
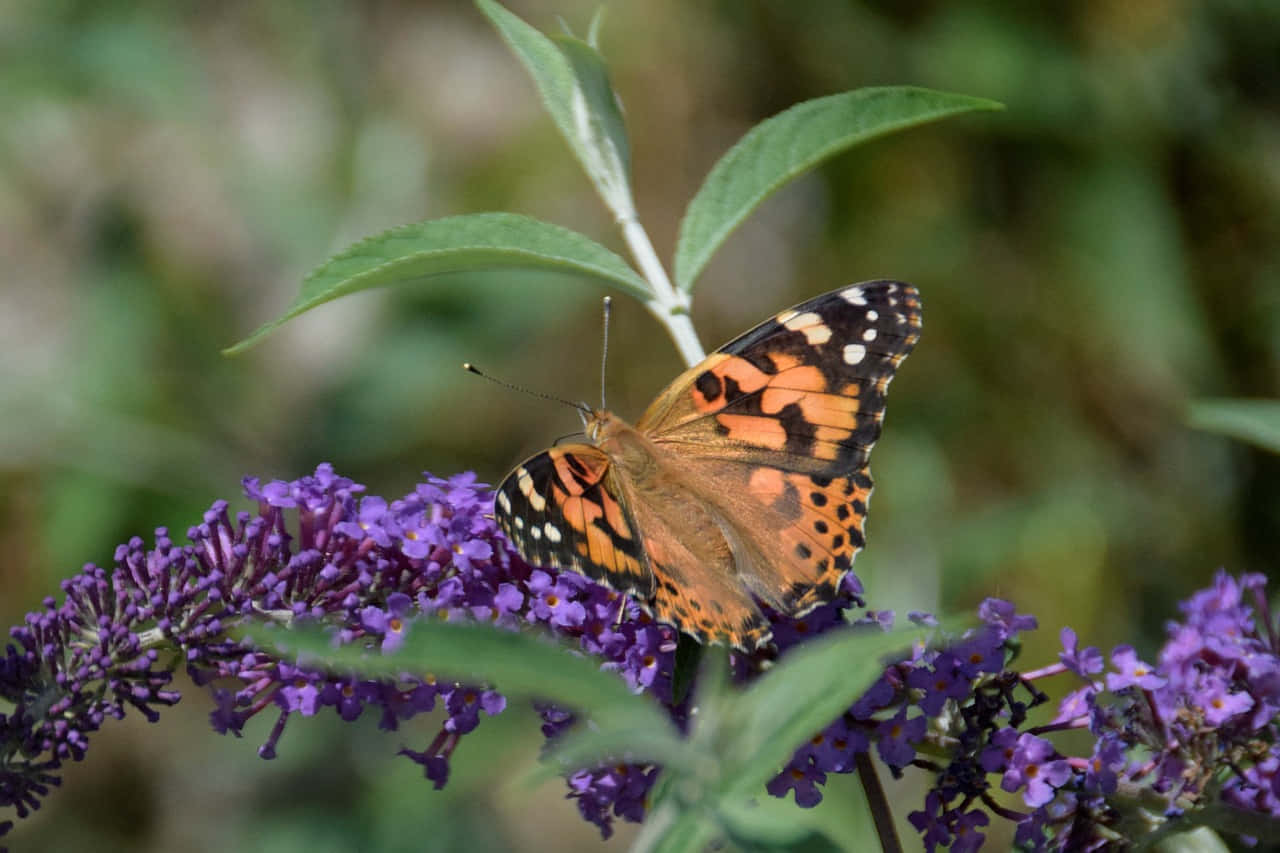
pixel 560 508
pixel 803 532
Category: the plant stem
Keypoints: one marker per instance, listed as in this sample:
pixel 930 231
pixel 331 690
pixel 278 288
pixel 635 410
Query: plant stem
pixel 669 305
pixel 877 803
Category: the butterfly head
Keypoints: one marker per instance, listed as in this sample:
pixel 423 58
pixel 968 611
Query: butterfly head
pixel 598 424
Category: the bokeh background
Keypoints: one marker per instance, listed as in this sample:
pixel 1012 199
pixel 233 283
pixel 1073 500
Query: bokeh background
pixel 1091 259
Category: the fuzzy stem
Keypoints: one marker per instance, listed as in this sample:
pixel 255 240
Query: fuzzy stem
pixel 668 305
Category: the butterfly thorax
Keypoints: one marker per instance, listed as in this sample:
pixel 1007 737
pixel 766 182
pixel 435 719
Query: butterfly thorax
pixel 625 445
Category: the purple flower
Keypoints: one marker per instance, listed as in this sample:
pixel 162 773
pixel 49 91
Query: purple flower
pixel 389 622
pixel 932 822
pixel 898 737
pixel 1033 766
pixel 1101 775
pixel 1003 616
pixel 1086 663
pixel 942 681
pixel 555 601
pixel 998 755
pixel 804 779
pixel 1132 671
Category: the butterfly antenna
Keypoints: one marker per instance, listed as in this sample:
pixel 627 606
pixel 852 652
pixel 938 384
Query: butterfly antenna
pixel 471 368
pixel 604 350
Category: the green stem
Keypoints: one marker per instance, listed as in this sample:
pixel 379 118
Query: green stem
pixel 877 803
pixel 669 305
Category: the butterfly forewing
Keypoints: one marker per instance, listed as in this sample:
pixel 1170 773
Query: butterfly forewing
pixel 803 391
pixel 561 508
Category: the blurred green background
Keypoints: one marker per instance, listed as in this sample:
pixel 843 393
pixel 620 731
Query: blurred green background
pixel 1091 259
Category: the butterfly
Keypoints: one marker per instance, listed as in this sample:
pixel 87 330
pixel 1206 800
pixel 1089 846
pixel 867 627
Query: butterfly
pixel 745 482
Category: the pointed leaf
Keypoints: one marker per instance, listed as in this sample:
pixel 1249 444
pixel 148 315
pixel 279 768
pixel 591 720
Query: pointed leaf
pixel 591 746
pixel 791 143
pixel 456 244
pixel 799 697
pixel 573 82
pixel 1254 421
pixel 599 124
pixel 517 664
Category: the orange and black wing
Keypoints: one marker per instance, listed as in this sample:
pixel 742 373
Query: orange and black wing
pixel 561 508
pixel 774 431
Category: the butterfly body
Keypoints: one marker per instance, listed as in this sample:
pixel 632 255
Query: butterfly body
pixel 745 481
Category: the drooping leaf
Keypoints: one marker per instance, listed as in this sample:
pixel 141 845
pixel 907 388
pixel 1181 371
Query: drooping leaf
pixel 455 244
pixel 791 143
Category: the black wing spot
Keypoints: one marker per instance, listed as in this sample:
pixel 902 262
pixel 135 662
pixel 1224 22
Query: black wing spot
pixel 820 526
pixel 818 499
pixel 709 386
pixel 801 432
pixel 803 551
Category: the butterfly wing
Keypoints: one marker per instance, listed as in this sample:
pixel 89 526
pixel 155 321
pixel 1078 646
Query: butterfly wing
pixel 562 507
pixel 774 431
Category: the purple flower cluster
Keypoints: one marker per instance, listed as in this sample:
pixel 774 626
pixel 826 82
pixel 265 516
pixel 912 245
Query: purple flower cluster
pixel 1174 742
pixel 1194 732
pixel 1189 741
pixel 950 698
pixel 313 550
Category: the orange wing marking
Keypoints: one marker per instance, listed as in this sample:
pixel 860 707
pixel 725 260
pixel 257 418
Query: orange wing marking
pixel 762 432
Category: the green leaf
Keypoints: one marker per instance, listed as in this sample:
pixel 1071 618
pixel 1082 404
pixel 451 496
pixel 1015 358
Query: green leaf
pixel 756 827
pixel 799 697
pixel 518 664
pixel 1254 421
pixel 591 746
pixel 671 828
pixel 456 244
pixel 599 124
pixel 791 143
pixel 573 82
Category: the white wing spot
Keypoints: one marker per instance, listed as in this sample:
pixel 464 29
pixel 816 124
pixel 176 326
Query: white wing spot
pixel 553 532
pixel 535 532
pixel 854 353
pixel 504 502
pixel 853 295
pixel 873 315
pixel 519 523
pixel 809 324
pixel 525 482
pixel 869 335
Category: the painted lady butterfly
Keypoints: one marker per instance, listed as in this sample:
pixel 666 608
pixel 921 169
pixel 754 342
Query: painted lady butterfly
pixel 745 480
